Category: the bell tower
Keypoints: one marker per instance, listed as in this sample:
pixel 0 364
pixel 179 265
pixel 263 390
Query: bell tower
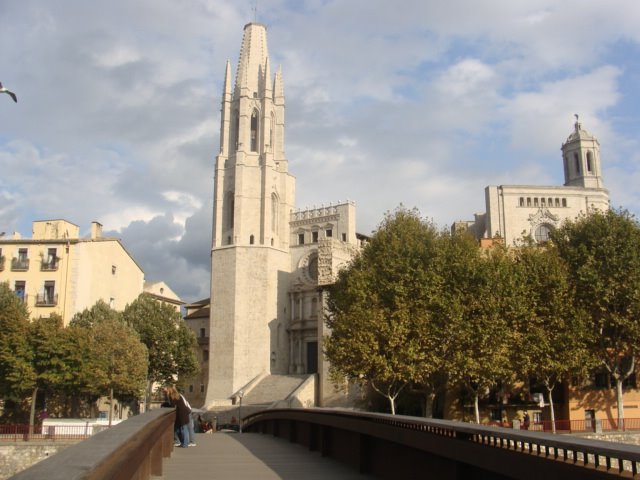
pixel 581 159
pixel 253 197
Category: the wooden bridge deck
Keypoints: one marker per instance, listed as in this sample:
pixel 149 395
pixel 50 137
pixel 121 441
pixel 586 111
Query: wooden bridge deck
pixel 251 456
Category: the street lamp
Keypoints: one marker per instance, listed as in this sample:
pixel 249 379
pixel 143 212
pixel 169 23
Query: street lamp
pixel 240 394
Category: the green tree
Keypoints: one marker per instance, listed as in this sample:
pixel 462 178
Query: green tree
pixel 186 358
pixel 447 304
pixel 486 299
pixel 51 350
pixel 377 308
pixel 170 343
pixel 121 360
pixel 116 361
pixel 552 338
pixel 16 356
pixel 602 251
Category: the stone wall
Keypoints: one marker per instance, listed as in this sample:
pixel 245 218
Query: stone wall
pixel 17 457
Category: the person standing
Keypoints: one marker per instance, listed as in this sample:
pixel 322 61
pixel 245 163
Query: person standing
pixel 192 433
pixel 183 413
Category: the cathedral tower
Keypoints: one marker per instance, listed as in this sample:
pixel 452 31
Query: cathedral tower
pixel 253 198
pixel 581 158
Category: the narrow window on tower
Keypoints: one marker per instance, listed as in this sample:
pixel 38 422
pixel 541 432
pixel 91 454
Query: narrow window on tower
pixel 229 209
pixel 271 130
pixel 589 162
pixel 254 131
pixel 236 132
pixel 251 240
pixel 274 213
pixel 577 162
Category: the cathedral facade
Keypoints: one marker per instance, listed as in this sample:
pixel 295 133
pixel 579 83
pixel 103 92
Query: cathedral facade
pixel 269 261
pixel 514 212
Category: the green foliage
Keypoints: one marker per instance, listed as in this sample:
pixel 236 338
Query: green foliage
pixel 186 359
pixel 602 252
pixel 112 355
pixel 51 348
pixel 481 301
pixel 377 307
pixel 16 357
pixel 170 343
pixel 422 307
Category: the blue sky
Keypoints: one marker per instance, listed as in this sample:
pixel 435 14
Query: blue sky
pixel 412 102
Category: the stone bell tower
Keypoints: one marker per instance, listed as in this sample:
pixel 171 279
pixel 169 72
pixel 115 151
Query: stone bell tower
pixel 253 197
pixel 581 158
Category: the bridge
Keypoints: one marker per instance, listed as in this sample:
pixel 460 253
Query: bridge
pixel 284 442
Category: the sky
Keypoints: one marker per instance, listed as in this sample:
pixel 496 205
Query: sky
pixel 419 103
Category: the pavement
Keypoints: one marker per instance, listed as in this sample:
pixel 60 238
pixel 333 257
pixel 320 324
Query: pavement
pixel 253 456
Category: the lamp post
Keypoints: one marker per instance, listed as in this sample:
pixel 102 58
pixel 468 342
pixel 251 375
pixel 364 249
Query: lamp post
pixel 240 394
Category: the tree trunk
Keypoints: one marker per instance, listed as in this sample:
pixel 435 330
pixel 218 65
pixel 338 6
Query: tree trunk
pixel 476 409
pixel 110 405
pixel 392 404
pixel 32 415
pixel 620 404
pixel 551 409
pixel 428 405
pixel 147 400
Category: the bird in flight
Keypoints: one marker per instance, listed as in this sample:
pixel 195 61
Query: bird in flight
pixel 11 94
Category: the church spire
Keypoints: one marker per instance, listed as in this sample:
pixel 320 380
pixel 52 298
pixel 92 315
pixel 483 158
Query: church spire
pixel 278 89
pixel 225 115
pixel 253 55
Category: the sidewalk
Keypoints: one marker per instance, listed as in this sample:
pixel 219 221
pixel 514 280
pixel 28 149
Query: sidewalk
pixel 251 456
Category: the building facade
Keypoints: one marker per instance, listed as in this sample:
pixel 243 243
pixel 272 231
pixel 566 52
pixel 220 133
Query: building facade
pixel 517 211
pixel 161 292
pixel 56 271
pixel 269 261
pixel 196 317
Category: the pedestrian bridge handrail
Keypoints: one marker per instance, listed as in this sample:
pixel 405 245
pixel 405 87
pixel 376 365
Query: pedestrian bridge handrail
pixel 131 450
pixel 371 442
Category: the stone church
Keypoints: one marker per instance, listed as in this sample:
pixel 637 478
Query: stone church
pixel 269 261
pixel 517 211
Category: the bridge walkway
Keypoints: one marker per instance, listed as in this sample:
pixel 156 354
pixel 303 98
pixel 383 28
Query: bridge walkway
pixel 251 456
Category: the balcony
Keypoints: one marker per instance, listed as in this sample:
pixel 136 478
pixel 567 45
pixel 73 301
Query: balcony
pixel 19 264
pixel 49 266
pixel 46 300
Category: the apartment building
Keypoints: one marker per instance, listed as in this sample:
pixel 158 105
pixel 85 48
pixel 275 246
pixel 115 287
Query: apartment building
pixel 57 271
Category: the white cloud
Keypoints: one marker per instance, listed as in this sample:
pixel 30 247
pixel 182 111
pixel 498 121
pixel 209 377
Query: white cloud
pixel 414 102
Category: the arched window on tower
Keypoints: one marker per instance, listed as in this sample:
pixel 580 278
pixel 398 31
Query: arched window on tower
pixel 576 160
pixel 254 131
pixel 589 162
pixel 229 209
